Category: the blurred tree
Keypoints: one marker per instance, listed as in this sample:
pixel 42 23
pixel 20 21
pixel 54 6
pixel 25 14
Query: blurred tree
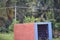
pixel 57 10
pixel 37 8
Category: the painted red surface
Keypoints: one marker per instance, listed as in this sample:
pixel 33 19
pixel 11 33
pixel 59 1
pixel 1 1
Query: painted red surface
pixel 24 32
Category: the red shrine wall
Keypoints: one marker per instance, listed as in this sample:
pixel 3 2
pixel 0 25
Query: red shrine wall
pixel 24 32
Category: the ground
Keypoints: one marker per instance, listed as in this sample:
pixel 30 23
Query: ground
pixel 6 36
pixel 10 36
pixel 56 39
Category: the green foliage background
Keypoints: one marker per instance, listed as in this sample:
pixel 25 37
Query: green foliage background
pixel 37 11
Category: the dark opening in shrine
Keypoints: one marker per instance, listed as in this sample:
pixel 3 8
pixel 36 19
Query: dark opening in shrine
pixel 42 31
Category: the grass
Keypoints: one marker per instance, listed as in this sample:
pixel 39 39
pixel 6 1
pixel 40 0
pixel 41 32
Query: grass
pixel 57 38
pixel 6 36
pixel 10 36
